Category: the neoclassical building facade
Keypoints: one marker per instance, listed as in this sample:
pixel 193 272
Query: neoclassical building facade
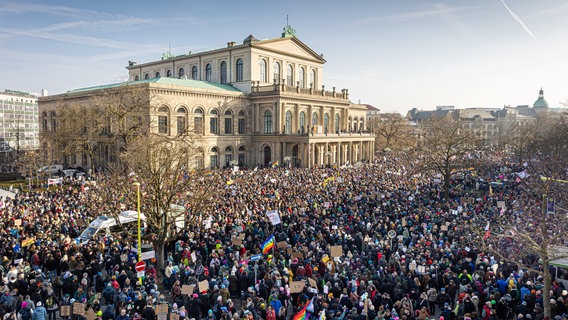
pixel 254 103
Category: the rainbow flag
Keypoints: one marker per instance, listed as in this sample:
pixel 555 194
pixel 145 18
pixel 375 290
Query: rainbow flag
pixel 275 164
pixel 303 314
pixel 267 245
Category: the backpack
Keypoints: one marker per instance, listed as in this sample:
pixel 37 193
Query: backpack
pixel 26 314
pixel 49 302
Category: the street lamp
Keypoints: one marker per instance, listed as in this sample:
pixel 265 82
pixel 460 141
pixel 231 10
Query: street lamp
pixel 137 185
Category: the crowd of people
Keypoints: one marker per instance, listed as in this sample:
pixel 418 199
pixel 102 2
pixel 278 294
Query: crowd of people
pixel 369 241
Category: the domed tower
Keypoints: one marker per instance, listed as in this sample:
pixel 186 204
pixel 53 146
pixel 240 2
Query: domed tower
pixel 540 104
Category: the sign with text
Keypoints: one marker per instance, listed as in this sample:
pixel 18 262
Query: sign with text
pixel 297 286
pixel 336 251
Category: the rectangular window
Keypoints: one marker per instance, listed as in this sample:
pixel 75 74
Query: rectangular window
pixel 242 126
pixel 214 163
pixel 241 159
pixel 228 159
pixel 162 124
pixel 213 126
pixel 198 125
pixel 228 125
pixel 180 125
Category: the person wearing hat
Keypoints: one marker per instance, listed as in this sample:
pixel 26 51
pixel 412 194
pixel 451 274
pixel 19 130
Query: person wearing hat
pixel 148 313
pixel 25 312
pixel 39 313
pixel 195 305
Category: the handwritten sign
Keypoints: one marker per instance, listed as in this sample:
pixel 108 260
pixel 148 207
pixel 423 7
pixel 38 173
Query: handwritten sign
pixel 186 289
pixel 79 308
pixel 18 222
pixel 313 283
pixel 90 314
pixel 65 311
pixel 336 251
pixel 297 286
pixel 174 316
pixel 281 244
pixel 203 286
pixel 162 308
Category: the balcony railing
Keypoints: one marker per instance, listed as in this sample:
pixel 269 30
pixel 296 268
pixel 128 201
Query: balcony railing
pixel 283 87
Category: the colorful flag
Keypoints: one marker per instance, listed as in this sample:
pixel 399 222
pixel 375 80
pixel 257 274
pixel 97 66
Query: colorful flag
pixel 303 314
pixel 487 231
pixel 268 244
pixel 490 190
pixel 310 307
pixel 275 164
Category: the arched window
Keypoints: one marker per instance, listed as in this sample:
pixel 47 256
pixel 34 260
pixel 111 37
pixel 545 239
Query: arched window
pixel 44 121
pixel 198 121
pixel 314 119
pixel 228 122
pixel 325 123
pixel 242 123
pixel 136 78
pixel 223 72
pixel 239 70
pixel 214 157
pixel 355 124
pixel 181 121
pixel 53 121
pixel 242 156
pixel 208 72
pixel 181 73
pixel 262 70
pixel 276 72
pixel 213 122
pixel 146 76
pixel 290 75
pixel 169 73
pixel 288 123
pixel 313 79
pixel 267 121
pixel 301 75
pixel 194 73
pixel 302 122
pixel 350 124
pixel 163 120
pixel 336 123
pixel 157 74
pixel 228 156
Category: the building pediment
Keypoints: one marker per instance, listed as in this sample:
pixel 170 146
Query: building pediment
pixel 290 46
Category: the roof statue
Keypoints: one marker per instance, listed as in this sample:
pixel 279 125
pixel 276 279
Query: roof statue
pixel 288 31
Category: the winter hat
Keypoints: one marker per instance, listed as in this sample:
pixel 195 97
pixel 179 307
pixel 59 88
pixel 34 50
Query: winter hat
pixel 24 305
pixel 38 304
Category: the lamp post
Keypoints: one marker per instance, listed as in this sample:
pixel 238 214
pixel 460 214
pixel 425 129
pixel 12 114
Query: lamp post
pixel 137 185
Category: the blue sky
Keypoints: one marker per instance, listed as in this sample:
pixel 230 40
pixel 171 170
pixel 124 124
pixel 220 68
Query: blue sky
pixel 394 55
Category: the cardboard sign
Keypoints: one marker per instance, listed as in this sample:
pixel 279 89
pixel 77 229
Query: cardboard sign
pixel 162 309
pixel 79 308
pixel 327 221
pixel 162 316
pixel 289 250
pixel 444 228
pixel 297 286
pixel 90 314
pixel 299 255
pixel 65 311
pixel 500 204
pixel 123 257
pixel 238 241
pixel 174 316
pixel 336 251
pixel 242 236
pixel 18 222
pixel 186 289
pixel 281 244
pixel 313 283
pixel 203 286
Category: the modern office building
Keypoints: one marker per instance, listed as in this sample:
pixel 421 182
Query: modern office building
pixel 18 121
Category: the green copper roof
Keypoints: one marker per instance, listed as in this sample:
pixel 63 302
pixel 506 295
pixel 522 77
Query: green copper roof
pixel 169 81
pixel 540 102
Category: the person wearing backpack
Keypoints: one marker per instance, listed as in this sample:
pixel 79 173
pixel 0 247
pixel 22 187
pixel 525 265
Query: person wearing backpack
pixel 26 312
pixel 39 313
pixel 51 305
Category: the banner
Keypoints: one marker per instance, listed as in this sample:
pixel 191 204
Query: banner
pixel 274 217
pixel 54 181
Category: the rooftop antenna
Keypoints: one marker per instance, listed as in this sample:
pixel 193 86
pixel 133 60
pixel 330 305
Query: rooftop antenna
pixel 287 20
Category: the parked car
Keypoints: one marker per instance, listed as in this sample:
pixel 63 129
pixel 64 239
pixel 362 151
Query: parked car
pixel 72 173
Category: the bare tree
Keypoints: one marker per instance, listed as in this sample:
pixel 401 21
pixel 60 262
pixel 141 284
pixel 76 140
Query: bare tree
pixel 532 232
pixel 392 130
pixel 446 148
pixel 161 165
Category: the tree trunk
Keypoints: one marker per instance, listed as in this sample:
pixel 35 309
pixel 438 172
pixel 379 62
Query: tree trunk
pixel 546 289
pixel 160 258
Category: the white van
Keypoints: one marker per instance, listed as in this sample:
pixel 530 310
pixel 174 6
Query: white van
pixel 127 220
pixel 53 169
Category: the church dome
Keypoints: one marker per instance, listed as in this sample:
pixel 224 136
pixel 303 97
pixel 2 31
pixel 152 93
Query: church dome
pixel 540 102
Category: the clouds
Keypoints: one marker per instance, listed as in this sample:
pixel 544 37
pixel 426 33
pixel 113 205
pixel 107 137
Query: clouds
pixel 437 10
